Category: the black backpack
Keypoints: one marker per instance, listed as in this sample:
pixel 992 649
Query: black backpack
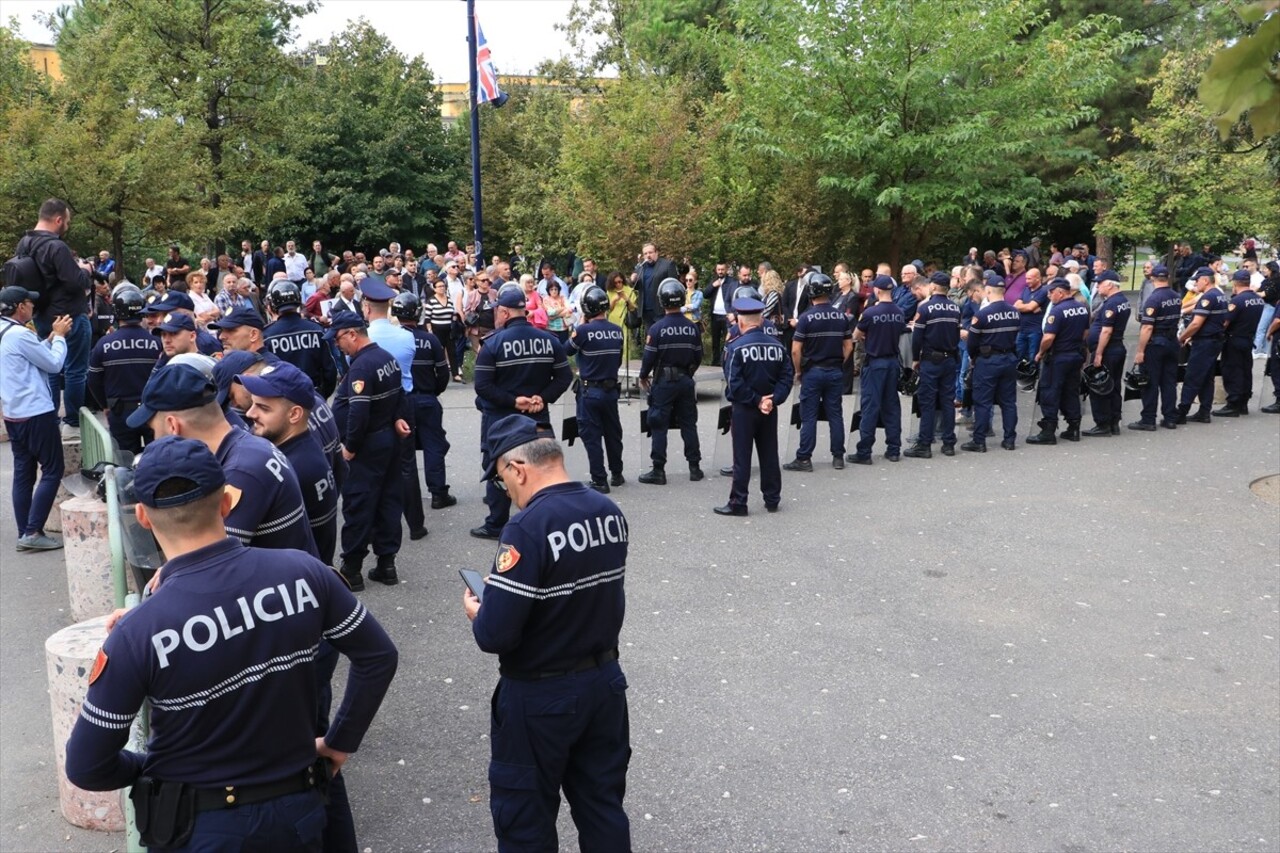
pixel 22 270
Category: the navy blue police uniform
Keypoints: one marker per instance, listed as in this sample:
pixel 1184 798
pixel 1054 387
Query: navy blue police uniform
pixel 672 353
pixel 992 345
pixel 552 612
pixel 820 334
pixel 119 367
pixel 430 374
pixel 517 360
pixel 1112 314
pixel 176 300
pixel 1068 322
pixel 223 651
pixel 1161 314
pixel 299 341
pixel 368 402
pixel 598 346
pixel 769 327
pixel 325 431
pixel 1206 346
pixel 935 347
pixel 757 365
pixel 1244 312
pixel 266 500
pixel 881 326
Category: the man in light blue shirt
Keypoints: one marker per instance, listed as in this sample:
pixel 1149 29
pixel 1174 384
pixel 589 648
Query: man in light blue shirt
pixel 26 363
pixel 395 340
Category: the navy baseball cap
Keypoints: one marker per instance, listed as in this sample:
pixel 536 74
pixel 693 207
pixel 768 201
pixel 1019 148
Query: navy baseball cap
pixel 1241 275
pixel 241 315
pixel 1107 275
pixel 747 305
pixel 340 320
pixel 171 300
pixel 176 458
pixel 1159 271
pixel 175 323
pixel 508 433
pixel 231 365
pixel 1059 283
pixel 173 388
pixel 883 282
pixel 1203 272
pixel 511 296
pixel 14 295
pixel 941 279
pixel 376 290
pixel 991 279
pixel 281 380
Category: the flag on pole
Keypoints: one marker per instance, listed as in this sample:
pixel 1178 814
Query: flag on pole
pixel 487 89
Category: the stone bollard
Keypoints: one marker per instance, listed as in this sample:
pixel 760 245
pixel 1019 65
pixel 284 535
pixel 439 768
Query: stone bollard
pixel 87 549
pixel 69 655
pixel 70 465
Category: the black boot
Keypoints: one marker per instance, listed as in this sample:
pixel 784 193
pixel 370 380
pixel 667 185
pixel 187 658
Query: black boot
pixel 798 464
pixel 443 500
pixel 695 472
pixel 1227 411
pixel 1047 434
pixel 918 450
pixel 974 446
pixel 1202 416
pixel 1273 409
pixel 1115 427
pixel 1100 429
pixel 385 571
pixel 1072 432
pixel 655 477
pixel 351 574
pixel 1181 417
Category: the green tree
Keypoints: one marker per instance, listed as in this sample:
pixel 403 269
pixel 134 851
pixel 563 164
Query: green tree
pixel 922 119
pixel 1243 81
pixel 1184 182
pixel 366 124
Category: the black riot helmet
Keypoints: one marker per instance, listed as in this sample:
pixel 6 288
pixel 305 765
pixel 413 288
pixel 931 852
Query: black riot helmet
pixel 746 291
pixel 1137 379
pixel 820 284
pixel 594 302
pixel 670 293
pixel 1028 373
pixel 908 382
pixel 128 303
pixel 405 307
pixel 1098 380
pixel 284 294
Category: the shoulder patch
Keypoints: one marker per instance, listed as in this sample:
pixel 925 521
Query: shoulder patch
pixel 1204 303
pixel 1050 320
pixel 1151 312
pixel 1231 307
pixel 358 386
pixel 1110 313
pixel 506 559
pixel 99 665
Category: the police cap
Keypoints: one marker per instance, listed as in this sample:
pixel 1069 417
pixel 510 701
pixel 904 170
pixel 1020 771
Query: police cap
pixel 748 305
pixel 376 290
pixel 1059 283
pixel 230 366
pixel 241 315
pixel 281 380
pixel 173 388
pixel 940 279
pixel 1241 275
pixel 511 295
pixel 1159 271
pixel 508 433
pixel 883 282
pixel 340 320
pixel 176 458
pixel 175 323
pixel 171 301
pixel 1204 272
pixel 992 279
pixel 1107 275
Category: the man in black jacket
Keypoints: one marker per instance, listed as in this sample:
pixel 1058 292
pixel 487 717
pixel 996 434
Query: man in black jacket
pixel 652 271
pixel 795 301
pixel 717 299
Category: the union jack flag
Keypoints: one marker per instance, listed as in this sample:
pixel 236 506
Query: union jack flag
pixel 487 89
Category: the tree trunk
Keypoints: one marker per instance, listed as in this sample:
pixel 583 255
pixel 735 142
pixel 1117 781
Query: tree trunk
pixel 1103 247
pixel 896 218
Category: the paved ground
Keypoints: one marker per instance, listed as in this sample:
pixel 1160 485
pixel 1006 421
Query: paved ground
pixel 1069 649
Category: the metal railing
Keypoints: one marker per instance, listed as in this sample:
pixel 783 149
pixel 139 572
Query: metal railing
pixel 95 442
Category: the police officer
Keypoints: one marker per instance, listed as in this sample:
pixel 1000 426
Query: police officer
pixel 560 709
pixel 1158 353
pixel 1244 312
pixel 241 329
pixel 119 367
pixel 177 334
pixel 879 328
pixel 366 408
pixel 297 340
pixel 598 346
pixel 1061 357
pixel 1204 333
pixel 519 369
pixel 935 355
pixel 821 342
pixel 176 302
pixel 1106 343
pixel 266 500
pixel 992 345
pixel 240 746
pixel 430 374
pixel 672 353
pixel 770 328
pixel 758 376
pixel 281 398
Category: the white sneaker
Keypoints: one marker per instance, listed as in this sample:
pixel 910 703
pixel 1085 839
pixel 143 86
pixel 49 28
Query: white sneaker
pixel 69 432
pixel 1261 354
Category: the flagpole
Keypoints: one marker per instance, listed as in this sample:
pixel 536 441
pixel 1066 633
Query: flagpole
pixel 478 229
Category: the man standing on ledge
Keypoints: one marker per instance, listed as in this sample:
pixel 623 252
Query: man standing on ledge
pixel 552 612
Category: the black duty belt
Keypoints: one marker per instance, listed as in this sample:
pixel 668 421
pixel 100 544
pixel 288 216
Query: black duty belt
pixel 230 796
pixel 672 373
pixel 589 662
pixel 606 384
pixel 1198 338
pixel 939 355
pixel 984 352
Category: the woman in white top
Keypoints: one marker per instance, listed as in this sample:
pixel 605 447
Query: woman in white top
pixel 206 311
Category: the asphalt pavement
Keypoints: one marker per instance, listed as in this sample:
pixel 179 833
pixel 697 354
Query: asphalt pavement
pixel 1069 648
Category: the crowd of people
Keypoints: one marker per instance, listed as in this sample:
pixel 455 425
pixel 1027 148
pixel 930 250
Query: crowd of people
pixel 280 401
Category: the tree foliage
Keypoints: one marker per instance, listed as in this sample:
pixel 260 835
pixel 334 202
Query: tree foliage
pixel 1243 80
